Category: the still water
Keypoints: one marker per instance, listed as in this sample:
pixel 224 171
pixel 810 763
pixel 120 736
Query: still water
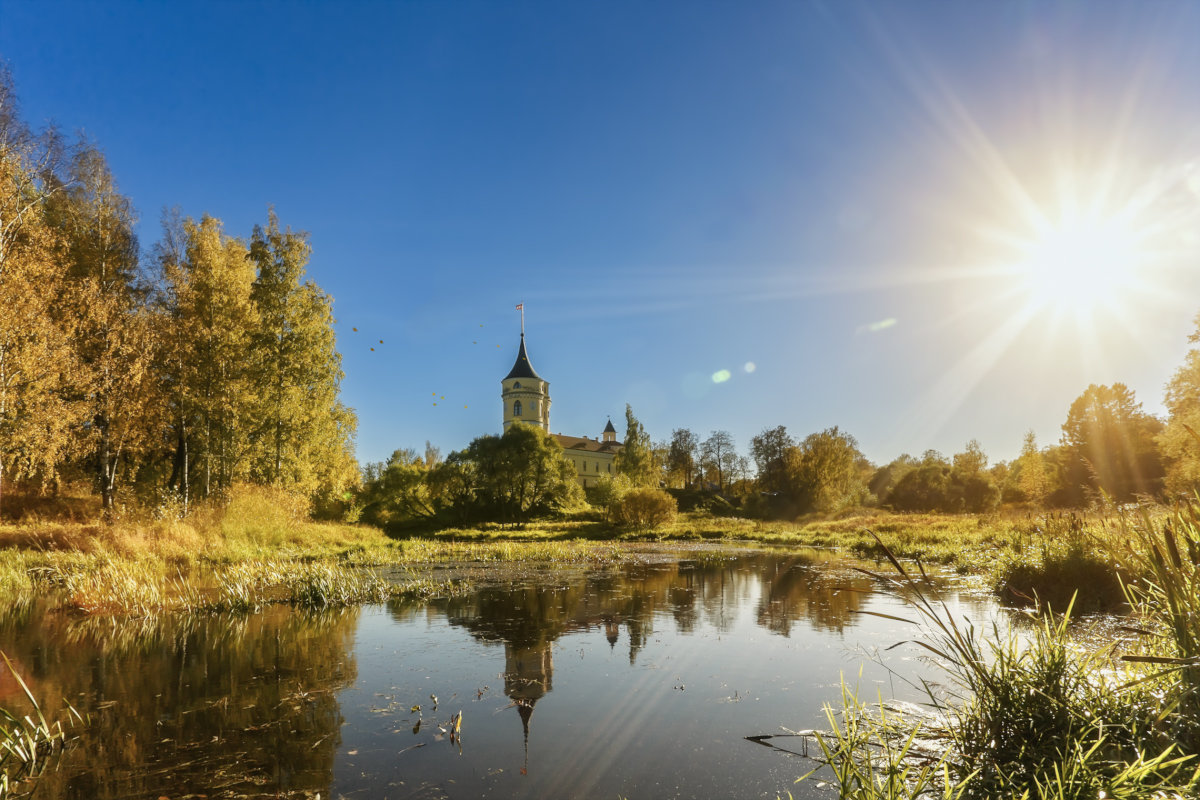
pixel 640 681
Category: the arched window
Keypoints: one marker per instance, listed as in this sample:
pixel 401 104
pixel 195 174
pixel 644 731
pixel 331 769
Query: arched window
pixel 516 408
pixel 517 385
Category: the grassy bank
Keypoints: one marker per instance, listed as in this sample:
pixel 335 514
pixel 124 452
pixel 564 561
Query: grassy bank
pixel 1037 717
pixel 259 548
pixel 231 555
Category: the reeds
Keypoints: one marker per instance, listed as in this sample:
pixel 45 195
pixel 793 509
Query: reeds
pixel 27 742
pixel 1165 557
pixel 1026 717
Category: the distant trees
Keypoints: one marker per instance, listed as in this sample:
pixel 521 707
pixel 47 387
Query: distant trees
pixel 1030 474
pixel 956 485
pixel 825 471
pixel 769 450
pixel 511 478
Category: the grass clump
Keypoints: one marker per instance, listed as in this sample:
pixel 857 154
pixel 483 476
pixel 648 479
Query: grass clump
pixel 1062 561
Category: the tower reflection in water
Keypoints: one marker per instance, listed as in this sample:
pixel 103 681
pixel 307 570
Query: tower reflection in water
pixel 529 619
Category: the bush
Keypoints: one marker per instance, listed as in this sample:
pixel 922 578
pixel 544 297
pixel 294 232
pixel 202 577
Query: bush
pixel 643 509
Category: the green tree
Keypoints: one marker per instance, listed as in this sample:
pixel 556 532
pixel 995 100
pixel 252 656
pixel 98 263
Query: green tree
pixel 925 487
pixel 636 459
pixel 1110 444
pixel 884 479
pixel 1180 446
pixel 397 491
pixel 520 474
pixel 769 451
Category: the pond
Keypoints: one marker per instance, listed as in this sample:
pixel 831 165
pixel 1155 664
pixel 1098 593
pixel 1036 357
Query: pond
pixel 641 680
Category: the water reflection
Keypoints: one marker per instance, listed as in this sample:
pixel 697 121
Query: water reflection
pixel 528 617
pixel 233 705
pixel 592 664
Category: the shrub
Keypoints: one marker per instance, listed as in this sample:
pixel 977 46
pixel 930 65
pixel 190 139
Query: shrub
pixel 643 509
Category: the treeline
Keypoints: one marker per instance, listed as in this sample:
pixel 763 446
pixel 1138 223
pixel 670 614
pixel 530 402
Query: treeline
pixel 1110 450
pixel 174 373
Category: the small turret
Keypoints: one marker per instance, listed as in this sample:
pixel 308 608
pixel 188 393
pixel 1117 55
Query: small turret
pixel 610 433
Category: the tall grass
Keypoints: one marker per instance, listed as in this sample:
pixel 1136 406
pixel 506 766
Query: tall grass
pixel 1164 554
pixel 1024 717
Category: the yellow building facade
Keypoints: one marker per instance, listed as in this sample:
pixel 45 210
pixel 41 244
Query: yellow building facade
pixel 526 398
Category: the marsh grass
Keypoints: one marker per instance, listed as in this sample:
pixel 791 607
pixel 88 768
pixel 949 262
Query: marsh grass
pixel 1031 717
pixel 1164 556
pixel 1066 559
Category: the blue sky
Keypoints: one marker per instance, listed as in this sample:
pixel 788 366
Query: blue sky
pixel 843 195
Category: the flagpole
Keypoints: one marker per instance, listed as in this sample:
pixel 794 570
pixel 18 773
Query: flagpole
pixel 521 308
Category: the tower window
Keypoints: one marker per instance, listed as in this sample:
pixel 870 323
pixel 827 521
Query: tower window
pixel 516 408
pixel 516 384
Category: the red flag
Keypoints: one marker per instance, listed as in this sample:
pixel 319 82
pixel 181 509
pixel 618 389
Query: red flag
pixel 520 306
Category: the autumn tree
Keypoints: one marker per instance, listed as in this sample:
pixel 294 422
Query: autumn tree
pixel 683 457
pixel 300 434
pixel 207 298
pixel 718 458
pixel 1181 446
pixel 114 333
pixel 38 365
pixel 1030 474
pixel 825 471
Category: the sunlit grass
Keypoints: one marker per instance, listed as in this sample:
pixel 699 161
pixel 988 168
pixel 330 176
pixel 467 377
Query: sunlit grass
pixel 1031 716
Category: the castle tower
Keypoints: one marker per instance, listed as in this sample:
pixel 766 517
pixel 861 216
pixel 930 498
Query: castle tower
pixel 610 433
pixel 525 395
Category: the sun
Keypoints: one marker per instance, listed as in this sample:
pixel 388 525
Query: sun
pixel 1081 264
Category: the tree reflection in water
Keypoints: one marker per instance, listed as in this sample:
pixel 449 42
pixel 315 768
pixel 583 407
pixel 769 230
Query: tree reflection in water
pixel 225 706
pixel 249 706
pixel 528 618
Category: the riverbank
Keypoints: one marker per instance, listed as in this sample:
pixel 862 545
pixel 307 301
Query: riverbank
pixel 1111 723
pixel 260 547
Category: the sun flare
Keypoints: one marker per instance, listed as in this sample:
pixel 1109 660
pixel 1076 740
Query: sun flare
pixel 1082 264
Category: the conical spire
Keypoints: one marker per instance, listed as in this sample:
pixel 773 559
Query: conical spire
pixel 522 369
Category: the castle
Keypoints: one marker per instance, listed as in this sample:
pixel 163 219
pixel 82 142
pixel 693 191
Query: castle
pixel 526 398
